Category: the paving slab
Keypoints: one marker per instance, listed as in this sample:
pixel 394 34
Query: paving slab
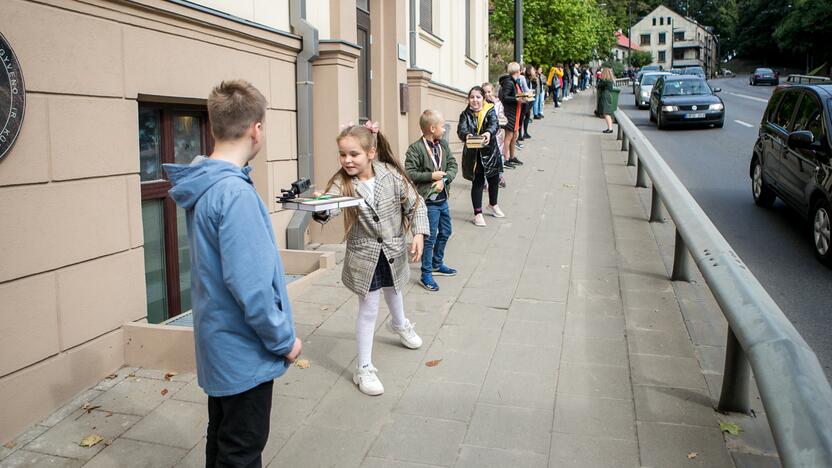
pixel 128 453
pixel 606 418
pixel 510 428
pixel 576 450
pixel 420 439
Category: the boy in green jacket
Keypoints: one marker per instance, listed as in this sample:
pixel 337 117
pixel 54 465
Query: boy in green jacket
pixel 431 166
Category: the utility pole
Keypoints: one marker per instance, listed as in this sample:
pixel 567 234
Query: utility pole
pixel 518 31
pixel 629 35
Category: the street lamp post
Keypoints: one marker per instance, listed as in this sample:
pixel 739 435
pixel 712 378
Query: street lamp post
pixel 518 31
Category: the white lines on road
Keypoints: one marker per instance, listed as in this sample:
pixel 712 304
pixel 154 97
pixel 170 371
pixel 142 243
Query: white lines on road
pixel 750 97
pixel 744 124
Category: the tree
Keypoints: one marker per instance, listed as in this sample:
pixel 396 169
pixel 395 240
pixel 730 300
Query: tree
pixel 640 58
pixel 806 29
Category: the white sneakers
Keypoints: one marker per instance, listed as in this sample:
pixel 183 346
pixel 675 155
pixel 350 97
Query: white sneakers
pixel 494 211
pixel 407 334
pixel 479 220
pixel 367 381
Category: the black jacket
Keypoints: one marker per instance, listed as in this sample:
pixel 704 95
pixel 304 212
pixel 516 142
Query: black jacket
pixel 488 156
pixel 508 96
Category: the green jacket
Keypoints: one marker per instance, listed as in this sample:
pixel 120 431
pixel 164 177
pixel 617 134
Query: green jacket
pixel 418 162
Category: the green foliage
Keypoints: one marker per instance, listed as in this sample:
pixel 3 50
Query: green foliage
pixel 640 58
pixel 556 30
pixel 617 67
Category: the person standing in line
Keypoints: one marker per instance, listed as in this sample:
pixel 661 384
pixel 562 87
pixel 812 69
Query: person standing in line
pixel 524 111
pixel 431 166
pixel 377 255
pixel 530 77
pixel 501 121
pixel 244 336
pixel 513 107
pixel 480 163
pixel 540 94
pixel 605 87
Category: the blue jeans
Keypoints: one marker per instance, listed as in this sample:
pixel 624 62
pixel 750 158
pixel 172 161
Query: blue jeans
pixel 439 217
pixel 538 104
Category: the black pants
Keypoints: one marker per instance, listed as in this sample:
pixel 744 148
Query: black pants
pixel 477 185
pixel 524 121
pixel 238 427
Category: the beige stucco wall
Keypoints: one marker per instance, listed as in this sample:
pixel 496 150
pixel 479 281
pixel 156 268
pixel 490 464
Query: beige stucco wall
pixel 272 13
pixel 72 268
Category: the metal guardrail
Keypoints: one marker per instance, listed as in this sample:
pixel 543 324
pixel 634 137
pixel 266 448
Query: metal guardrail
pixel 622 82
pixel 795 392
pixel 807 79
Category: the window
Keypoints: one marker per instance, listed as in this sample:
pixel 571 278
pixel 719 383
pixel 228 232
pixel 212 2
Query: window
pixel 167 134
pixel 784 112
pixel 661 21
pixel 364 63
pixel 668 20
pixel 809 117
pixel 468 28
pixel 426 15
pixel 661 56
pixel 645 39
pixel 772 106
pixel 662 38
pixel 678 54
pixel 654 21
pixel 679 36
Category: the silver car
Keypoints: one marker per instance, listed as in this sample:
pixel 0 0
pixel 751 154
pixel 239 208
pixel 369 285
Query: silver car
pixel 644 86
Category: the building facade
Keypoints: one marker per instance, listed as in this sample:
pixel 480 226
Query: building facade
pixel 622 48
pixel 676 41
pixel 90 240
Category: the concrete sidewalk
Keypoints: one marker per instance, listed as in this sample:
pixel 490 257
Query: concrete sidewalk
pixel 561 343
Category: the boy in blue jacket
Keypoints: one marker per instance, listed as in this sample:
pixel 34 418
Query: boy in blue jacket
pixel 243 330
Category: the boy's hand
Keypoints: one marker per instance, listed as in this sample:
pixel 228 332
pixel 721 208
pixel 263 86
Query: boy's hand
pixel 438 186
pixel 416 247
pixel 295 351
pixel 436 175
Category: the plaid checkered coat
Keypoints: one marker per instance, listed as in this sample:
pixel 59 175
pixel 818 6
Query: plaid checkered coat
pixel 379 227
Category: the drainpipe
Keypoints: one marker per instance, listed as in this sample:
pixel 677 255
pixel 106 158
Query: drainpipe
pixel 412 33
pixel 296 230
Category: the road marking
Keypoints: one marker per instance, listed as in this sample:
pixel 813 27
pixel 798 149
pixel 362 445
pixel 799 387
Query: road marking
pixel 744 124
pixel 750 97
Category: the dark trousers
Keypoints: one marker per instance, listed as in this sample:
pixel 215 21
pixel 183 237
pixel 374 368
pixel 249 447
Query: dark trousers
pixel 238 427
pixel 477 185
pixel 439 217
pixel 524 121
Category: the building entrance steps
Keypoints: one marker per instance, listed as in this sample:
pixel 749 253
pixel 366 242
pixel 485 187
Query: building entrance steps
pixel 561 342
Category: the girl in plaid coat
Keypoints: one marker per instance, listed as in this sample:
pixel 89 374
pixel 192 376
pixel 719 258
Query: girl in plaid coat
pixel 376 259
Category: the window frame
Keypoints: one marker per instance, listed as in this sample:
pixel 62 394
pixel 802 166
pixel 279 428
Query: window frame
pixel 426 15
pixel 158 190
pixel 662 38
pixel 662 56
pixel 641 39
pixel 789 123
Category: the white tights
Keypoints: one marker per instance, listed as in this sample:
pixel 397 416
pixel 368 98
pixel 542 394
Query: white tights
pixel 365 326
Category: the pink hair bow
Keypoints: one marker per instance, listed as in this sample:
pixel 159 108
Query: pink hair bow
pixel 372 126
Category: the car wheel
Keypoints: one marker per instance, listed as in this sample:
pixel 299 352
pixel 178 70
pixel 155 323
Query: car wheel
pixel 660 122
pixel 652 115
pixel 763 195
pixel 821 231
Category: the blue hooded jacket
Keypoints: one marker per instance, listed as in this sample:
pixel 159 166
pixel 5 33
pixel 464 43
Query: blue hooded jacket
pixel 242 318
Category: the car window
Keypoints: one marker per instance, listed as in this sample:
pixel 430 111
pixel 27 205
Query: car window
pixel 772 106
pixel 763 70
pixel 809 117
pixel 784 112
pixel 649 79
pixel 686 88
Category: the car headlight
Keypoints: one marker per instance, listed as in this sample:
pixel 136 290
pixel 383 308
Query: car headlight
pixel 645 94
pixel 718 106
pixel 670 108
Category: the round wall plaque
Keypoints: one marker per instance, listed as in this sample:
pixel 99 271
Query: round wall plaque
pixel 12 97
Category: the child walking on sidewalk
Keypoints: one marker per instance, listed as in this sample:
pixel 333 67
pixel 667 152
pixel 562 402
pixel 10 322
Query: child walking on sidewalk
pixel 431 166
pixel 377 255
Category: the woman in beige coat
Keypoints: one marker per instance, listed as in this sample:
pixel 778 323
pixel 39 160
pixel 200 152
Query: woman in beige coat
pixel 377 255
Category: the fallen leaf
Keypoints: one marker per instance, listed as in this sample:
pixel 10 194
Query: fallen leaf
pixel 89 407
pixel 433 363
pixel 170 375
pixel 90 440
pixel 302 363
pixel 111 376
pixel 108 442
pixel 324 308
pixel 10 445
pixel 692 455
pixel 132 374
pixel 164 391
pixel 730 428
pixel 109 413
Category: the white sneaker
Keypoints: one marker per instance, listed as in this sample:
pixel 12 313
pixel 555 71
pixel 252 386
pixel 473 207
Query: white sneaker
pixel 479 220
pixel 407 333
pixel 368 381
pixel 494 211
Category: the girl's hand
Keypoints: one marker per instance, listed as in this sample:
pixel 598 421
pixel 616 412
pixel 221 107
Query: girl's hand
pixel 295 352
pixel 487 138
pixel 416 247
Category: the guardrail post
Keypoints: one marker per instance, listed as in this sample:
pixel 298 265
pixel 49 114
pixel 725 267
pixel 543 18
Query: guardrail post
pixel 620 133
pixel 641 177
pixel 681 260
pixel 625 143
pixel 656 207
pixel 735 395
pixel 631 156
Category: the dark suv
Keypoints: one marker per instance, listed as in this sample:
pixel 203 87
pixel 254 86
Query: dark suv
pixel 791 158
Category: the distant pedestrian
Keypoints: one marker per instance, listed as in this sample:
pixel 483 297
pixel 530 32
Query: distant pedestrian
pixel 605 103
pixel 377 256
pixel 501 121
pixel 509 96
pixel 243 330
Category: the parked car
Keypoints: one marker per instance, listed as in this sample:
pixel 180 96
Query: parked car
pixel 685 100
pixel 791 158
pixel 643 70
pixel 677 71
pixel 695 71
pixel 728 73
pixel 644 86
pixel 764 75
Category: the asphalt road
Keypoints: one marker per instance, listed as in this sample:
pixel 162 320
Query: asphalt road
pixel 776 244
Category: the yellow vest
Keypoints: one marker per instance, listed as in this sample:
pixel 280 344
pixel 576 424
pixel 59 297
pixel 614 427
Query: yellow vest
pixel 486 106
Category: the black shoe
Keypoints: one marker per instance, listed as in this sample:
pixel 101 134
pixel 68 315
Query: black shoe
pixel 527 136
pixel 509 165
pixel 609 130
pixel 537 117
pixel 516 161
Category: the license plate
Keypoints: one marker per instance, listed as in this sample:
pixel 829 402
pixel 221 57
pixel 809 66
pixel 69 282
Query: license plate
pixel 695 116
